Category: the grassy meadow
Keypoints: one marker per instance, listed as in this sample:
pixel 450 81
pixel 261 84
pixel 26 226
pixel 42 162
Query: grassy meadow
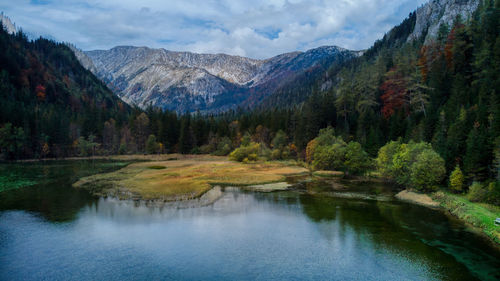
pixel 185 178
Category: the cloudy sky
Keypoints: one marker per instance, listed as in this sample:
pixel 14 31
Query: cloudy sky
pixel 253 28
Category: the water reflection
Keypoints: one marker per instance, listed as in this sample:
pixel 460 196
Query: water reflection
pixel 49 192
pixel 242 235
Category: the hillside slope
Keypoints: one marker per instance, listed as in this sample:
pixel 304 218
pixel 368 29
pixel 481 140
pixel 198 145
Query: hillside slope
pixel 48 99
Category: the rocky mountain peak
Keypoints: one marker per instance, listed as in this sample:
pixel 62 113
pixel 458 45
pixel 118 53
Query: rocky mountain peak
pixel 436 12
pixel 7 24
pixel 186 81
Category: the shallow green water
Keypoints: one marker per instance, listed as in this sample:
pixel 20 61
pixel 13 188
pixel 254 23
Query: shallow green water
pixel 49 230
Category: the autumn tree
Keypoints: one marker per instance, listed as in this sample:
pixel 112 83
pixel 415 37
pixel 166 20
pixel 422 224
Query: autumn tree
pixel 394 92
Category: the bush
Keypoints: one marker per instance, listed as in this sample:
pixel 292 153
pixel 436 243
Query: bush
pixel 412 164
pixel 477 193
pixel 250 153
pixel 206 149
pixel 329 157
pixel 280 140
pixel 326 136
pixel 311 147
pixel 427 171
pixel 404 158
pixel 123 149
pixel 224 147
pixel 246 139
pixel 457 180
pixel 385 156
pixel 493 195
pixel 276 154
pixel 357 160
pixel 151 145
pixel 195 150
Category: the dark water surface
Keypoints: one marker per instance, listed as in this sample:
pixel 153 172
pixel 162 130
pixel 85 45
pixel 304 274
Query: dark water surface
pixel 51 231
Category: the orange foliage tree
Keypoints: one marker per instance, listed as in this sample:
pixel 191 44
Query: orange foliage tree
pixel 40 92
pixel 395 91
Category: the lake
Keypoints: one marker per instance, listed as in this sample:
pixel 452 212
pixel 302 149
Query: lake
pixel 49 230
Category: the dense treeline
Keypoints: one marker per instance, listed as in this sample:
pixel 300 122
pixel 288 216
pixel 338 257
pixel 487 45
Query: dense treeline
pixel 444 93
pixel 48 100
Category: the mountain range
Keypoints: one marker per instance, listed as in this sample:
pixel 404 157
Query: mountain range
pixel 188 82
pixel 184 81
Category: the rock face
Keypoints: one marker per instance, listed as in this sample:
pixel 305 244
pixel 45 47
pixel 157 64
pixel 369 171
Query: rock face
pixel 184 81
pixel 436 12
pixel 7 24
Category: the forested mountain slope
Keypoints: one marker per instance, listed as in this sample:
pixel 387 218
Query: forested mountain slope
pixel 443 88
pixel 48 100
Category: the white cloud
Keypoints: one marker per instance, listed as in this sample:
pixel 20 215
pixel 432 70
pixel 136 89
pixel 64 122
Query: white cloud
pixel 258 29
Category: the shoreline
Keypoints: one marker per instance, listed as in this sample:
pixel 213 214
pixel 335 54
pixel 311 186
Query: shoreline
pixel 421 199
pixel 477 216
pixel 460 208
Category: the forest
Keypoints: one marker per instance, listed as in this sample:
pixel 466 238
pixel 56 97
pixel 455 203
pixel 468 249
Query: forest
pixel 439 101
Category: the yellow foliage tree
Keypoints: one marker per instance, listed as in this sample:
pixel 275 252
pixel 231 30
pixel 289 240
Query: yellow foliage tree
pixel 311 146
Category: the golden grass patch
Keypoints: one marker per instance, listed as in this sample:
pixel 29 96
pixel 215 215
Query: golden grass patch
pixel 185 178
pixel 329 174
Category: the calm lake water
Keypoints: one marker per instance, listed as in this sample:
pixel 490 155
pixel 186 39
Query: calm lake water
pixel 51 231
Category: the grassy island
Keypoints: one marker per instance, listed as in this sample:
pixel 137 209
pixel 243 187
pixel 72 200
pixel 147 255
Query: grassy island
pixel 185 178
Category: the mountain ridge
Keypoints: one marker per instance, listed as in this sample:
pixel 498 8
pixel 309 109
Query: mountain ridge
pixel 186 81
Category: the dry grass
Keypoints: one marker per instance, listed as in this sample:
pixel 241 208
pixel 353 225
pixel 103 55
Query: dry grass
pixel 186 178
pixel 418 198
pixel 328 174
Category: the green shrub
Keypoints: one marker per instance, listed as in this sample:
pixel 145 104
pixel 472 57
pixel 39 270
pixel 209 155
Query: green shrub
pixel 427 171
pixel 457 180
pixel 280 140
pixel 206 149
pixel 264 151
pixel 326 136
pixel 477 193
pixel 246 139
pixel 493 195
pixel 357 160
pixel 286 153
pixel 252 157
pixel 385 156
pixel 224 147
pixel 329 157
pixel 276 154
pixel 411 164
pixel 250 153
pixel 123 149
pixel 151 145
pixel 195 150
pixel 404 158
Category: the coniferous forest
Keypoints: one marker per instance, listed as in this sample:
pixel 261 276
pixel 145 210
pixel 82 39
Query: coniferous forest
pixel 444 93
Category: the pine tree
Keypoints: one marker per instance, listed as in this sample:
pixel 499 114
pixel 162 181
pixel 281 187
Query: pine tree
pixel 186 136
